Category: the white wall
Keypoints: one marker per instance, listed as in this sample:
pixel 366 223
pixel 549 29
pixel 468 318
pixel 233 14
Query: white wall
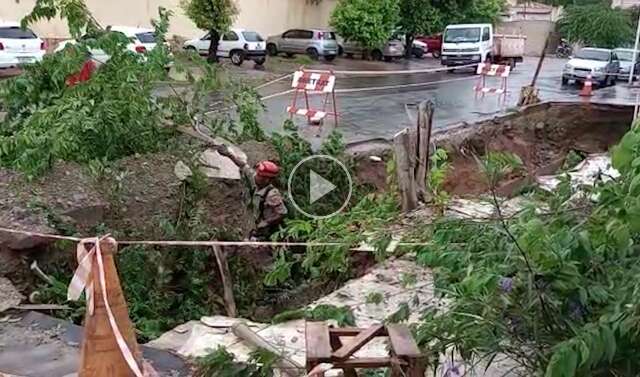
pixel 265 16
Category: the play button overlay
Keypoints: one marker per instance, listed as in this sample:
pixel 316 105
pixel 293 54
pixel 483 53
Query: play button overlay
pixel 320 186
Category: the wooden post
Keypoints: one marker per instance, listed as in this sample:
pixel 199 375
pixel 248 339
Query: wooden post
pixel 100 355
pixel 425 127
pixel 405 169
pixel 286 365
pixel 529 94
pixel 227 282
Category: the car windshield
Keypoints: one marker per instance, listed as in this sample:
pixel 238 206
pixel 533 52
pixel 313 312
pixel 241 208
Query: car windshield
pixel 252 36
pixel 599 55
pixel 458 35
pixel 16 33
pixel 148 37
pixel 624 55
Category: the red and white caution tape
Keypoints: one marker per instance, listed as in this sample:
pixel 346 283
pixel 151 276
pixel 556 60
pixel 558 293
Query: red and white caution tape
pixel 397 72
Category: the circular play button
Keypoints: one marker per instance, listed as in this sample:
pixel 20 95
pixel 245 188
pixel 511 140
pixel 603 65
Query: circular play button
pixel 320 186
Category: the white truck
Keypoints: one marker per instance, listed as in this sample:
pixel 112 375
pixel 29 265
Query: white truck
pixel 465 44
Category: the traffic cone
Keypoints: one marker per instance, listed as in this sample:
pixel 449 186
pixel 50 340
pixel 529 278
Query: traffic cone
pixel 587 88
pixel 100 355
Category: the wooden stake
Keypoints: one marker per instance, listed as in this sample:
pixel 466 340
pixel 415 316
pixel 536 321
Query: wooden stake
pixel 286 365
pixel 405 170
pixel 100 355
pixel 227 282
pixel 425 126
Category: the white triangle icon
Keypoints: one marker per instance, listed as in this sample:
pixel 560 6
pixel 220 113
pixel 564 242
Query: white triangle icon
pixel 318 187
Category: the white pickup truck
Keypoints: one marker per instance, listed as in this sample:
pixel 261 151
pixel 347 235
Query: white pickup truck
pixel 474 43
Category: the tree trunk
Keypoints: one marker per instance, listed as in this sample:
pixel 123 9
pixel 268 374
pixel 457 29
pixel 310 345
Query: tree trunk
pixel 213 47
pixel 408 51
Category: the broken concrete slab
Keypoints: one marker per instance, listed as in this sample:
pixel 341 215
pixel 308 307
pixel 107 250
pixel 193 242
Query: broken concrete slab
pixel 214 165
pixel 593 168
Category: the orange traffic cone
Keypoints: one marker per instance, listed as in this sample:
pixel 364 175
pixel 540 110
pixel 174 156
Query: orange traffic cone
pixel 100 354
pixel 587 88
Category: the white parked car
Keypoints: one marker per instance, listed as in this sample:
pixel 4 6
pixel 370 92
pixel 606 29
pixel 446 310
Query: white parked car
pixel 142 40
pixel 19 46
pixel 237 45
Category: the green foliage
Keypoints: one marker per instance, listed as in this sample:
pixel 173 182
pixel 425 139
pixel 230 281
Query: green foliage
pixel 419 17
pixel 561 286
pixel 343 316
pixel 375 298
pixel 368 22
pixel 211 14
pixel 597 25
pixel 437 176
pixel 221 363
pixel 75 12
pixel 108 117
pixel 400 315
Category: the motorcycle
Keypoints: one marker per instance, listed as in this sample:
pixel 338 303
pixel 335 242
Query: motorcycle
pixel 564 49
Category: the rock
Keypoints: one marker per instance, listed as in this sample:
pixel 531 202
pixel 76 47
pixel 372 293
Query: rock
pixel 540 126
pixel 182 171
pixel 9 295
pixel 214 165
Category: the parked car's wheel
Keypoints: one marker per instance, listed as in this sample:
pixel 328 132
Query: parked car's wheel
pixel 340 50
pixel 388 59
pixel 418 52
pixel 237 57
pixel 329 58
pixel 614 79
pixel 349 55
pixel 272 50
pixel 190 48
pixel 260 61
pixel 436 54
pixel 313 53
pixel 565 81
pixel 288 54
pixel 376 55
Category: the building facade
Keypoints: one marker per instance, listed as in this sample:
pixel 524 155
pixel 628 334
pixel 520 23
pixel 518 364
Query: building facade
pixel 264 16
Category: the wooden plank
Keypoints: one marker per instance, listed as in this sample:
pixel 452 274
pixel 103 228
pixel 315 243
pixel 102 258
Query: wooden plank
pixel 405 170
pixel 402 341
pixel 318 343
pixel 288 366
pixel 351 331
pixel 227 283
pixel 368 362
pixel 358 342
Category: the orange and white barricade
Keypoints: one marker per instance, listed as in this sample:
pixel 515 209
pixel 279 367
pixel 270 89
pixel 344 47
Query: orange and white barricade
pixel 323 82
pixel 492 70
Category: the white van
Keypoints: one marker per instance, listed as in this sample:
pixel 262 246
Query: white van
pixel 464 44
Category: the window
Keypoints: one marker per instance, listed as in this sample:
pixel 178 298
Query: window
pixel 486 35
pixel 462 35
pixel 230 36
pixel 16 33
pixel 207 37
pixel 305 34
pixel 592 54
pixel 289 34
pixel 252 36
pixel 614 57
pixel 148 37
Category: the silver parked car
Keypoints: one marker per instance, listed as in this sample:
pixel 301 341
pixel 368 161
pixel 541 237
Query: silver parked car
pixel 313 42
pixel 601 64
pixel 393 49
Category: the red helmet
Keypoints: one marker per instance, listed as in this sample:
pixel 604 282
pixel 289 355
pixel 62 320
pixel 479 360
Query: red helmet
pixel 267 169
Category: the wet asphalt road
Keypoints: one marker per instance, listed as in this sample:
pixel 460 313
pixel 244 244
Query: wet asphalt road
pixel 380 113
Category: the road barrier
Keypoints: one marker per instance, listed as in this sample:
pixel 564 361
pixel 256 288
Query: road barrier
pixel 492 70
pixel 587 88
pixel 317 82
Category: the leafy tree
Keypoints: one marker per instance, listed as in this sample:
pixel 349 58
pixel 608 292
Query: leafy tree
pixel 78 17
pixel 217 16
pixel 418 17
pixel 368 22
pixel 597 25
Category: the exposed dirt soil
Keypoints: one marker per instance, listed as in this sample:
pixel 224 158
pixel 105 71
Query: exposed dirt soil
pixel 541 137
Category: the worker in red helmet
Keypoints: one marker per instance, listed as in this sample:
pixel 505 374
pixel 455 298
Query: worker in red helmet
pixel 269 208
